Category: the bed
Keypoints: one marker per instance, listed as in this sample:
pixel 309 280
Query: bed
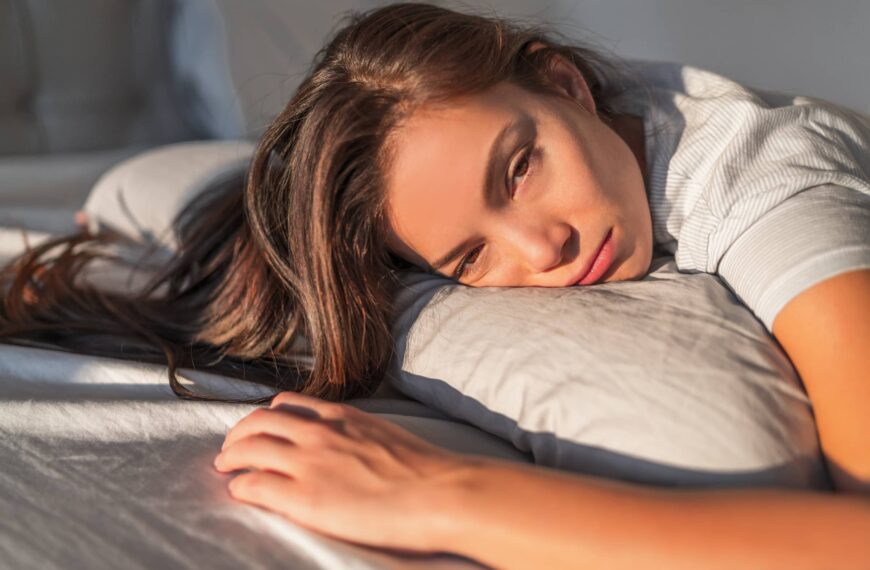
pixel 104 467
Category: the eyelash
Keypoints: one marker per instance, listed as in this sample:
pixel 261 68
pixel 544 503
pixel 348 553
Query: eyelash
pixel 528 157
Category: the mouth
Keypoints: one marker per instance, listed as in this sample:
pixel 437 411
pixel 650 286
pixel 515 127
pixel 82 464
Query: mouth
pixel 598 264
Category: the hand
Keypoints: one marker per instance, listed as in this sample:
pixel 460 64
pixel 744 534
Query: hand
pixel 340 471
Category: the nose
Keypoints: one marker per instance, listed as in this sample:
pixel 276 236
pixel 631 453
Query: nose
pixel 540 247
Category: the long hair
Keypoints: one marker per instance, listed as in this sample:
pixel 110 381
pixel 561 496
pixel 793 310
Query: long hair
pixel 296 251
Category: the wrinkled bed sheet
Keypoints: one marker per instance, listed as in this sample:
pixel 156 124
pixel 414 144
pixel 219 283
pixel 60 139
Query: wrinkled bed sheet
pixel 104 467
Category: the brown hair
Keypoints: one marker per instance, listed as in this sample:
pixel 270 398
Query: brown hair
pixel 298 249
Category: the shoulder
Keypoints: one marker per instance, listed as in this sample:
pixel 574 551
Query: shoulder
pixel 735 153
pixel 721 155
pixel 711 112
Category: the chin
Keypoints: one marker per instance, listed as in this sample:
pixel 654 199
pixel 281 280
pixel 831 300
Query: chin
pixel 642 265
pixel 632 269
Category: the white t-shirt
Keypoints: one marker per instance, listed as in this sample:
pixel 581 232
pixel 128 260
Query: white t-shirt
pixel 769 191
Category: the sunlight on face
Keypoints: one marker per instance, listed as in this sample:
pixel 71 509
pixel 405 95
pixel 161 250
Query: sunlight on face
pixel 514 188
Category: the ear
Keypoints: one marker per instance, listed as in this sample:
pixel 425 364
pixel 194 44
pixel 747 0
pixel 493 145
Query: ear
pixel 568 78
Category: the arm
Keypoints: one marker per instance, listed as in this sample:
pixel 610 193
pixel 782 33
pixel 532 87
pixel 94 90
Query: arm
pixel 371 482
pixel 522 516
pixel 826 333
pixel 517 516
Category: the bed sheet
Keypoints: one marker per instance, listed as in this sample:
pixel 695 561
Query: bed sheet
pixel 104 467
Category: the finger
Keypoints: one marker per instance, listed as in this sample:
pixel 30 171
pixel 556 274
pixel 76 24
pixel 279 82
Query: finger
pixel 260 452
pixel 308 405
pixel 271 491
pixel 280 423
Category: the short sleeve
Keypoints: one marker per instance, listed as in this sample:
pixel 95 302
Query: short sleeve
pixel 811 236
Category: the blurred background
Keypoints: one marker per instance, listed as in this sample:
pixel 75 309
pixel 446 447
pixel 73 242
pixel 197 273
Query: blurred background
pixel 805 47
pixel 86 83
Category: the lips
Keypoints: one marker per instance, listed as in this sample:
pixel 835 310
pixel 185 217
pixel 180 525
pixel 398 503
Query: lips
pixel 598 263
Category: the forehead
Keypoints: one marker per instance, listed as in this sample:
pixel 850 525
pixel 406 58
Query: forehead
pixel 436 176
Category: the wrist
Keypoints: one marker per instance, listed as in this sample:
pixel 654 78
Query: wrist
pixel 449 502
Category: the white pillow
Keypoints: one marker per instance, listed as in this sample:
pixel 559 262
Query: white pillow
pixel 139 197
pixel 668 380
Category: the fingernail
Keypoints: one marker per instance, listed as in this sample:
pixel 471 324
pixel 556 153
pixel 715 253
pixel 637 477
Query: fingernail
pixel 217 461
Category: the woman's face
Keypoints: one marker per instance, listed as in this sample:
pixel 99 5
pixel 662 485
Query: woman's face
pixel 514 188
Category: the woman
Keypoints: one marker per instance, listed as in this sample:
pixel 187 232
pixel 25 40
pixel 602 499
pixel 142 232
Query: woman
pixel 492 154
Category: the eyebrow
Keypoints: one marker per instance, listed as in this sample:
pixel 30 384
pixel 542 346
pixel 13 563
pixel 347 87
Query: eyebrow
pixel 490 190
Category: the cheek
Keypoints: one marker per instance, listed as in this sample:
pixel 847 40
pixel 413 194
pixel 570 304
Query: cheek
pixel 615 184
pixel 507 274
pixel 574 190
pixel 576 178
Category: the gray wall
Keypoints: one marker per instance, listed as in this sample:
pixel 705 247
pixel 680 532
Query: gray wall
pixel 802 47
pixel 819 49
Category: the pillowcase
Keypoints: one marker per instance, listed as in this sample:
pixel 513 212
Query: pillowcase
pixel 668 380
pixel 140 197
